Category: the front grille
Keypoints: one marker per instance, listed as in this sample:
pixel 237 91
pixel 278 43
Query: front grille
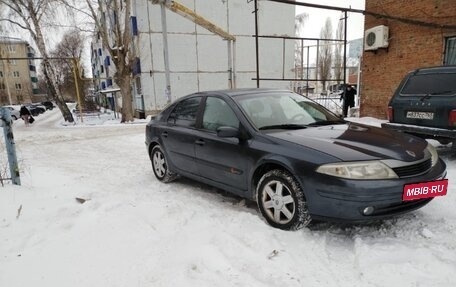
pixel 414 169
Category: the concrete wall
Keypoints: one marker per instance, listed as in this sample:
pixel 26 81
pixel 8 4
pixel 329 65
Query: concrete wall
pixel 199 59
pixel 410 47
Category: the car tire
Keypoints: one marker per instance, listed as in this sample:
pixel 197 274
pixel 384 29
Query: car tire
pixel 14 117
pixel 160 165
pixel 281 201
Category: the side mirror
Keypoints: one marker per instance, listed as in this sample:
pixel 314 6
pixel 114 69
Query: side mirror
pixel 228 132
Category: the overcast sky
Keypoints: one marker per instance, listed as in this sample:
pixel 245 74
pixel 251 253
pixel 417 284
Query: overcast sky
pixel 317 17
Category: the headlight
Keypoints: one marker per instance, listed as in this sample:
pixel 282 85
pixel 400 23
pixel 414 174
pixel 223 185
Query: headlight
pixel 358 170
pixel 434 154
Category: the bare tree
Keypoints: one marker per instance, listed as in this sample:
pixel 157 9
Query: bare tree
pixel 338 60
pixel 30 15
pixel 68 49
pixel 325 53
pixel 111 19
pixel 299 28
pixel 43 85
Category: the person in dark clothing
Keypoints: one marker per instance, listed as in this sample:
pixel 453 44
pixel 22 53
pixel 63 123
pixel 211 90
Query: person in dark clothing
pixel 24 113
pixel 349 98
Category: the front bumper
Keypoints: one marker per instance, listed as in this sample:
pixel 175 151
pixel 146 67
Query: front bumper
pixel 337 199
pixel 429 132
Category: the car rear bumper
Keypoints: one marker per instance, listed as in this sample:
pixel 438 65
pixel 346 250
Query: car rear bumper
pixel 421 130
pixel 343 200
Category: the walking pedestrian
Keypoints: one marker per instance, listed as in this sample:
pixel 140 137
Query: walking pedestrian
pixel 25 114
pixel 349 98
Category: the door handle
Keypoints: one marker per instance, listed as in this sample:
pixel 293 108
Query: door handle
pixel 165 134
pixel 200 142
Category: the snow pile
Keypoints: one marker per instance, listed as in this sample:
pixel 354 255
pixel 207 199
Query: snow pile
pixel 90 213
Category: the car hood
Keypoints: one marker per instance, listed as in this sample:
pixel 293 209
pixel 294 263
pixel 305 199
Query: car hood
pixel 353 142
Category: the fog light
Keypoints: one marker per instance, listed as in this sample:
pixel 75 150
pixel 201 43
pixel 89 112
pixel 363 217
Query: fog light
pixel 368 210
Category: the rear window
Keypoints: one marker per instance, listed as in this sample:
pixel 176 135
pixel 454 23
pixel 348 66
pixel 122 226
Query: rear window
pixel 434 84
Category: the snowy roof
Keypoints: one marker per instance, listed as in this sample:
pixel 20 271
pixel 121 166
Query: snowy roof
pixel 6 39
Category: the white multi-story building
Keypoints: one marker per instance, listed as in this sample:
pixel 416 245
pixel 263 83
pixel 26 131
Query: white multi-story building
pixel 200 60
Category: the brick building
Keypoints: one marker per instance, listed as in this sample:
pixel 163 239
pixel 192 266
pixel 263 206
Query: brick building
pixel 411 46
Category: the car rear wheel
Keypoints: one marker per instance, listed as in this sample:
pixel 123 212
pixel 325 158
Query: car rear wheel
pixel 14 117
pixel 281 201
pixel 160 165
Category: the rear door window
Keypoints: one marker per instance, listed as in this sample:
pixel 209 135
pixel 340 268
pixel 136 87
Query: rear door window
pixel 184 114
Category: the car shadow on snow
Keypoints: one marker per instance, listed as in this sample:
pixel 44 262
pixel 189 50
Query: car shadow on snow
pixel 407 223
pixel 401 228
pixel 220 195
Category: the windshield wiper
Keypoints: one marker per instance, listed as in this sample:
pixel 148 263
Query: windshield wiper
pixel 428 96
pixel 326 123
pixel 284 127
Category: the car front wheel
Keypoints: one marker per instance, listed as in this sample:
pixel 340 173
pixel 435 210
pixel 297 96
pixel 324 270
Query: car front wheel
pixel 281 201
pixel 160 165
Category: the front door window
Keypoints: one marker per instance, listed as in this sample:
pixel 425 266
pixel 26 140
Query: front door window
pixel 217 113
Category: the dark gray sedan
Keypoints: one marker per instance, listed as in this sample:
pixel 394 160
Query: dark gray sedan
pixel 296 159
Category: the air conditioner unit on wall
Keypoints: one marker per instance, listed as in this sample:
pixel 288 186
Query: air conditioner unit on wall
pixel 376 37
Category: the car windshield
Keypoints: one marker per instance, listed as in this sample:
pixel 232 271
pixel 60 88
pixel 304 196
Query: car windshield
pixel 285 111
pixel 430 84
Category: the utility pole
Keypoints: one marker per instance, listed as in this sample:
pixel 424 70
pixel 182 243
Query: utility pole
pixel 257 46
pixel 166 52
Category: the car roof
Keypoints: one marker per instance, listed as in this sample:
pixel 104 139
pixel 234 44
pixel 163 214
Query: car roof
pixel 241 92
pixel 434 70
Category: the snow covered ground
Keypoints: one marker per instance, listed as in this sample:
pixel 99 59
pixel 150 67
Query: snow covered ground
pixel 135 231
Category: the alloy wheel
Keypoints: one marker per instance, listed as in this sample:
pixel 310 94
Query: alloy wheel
pixel 159 164
pixel 278 202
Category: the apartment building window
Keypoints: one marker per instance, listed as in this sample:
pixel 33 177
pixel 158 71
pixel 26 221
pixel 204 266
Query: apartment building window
pixel 450 51
pixel 20 98
pixel 1 74
pixel 138 85
pixel 12 62
pixel 2 86
pixel 18 86
pixel 16 74
pixel 11 49
pixel 134 25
